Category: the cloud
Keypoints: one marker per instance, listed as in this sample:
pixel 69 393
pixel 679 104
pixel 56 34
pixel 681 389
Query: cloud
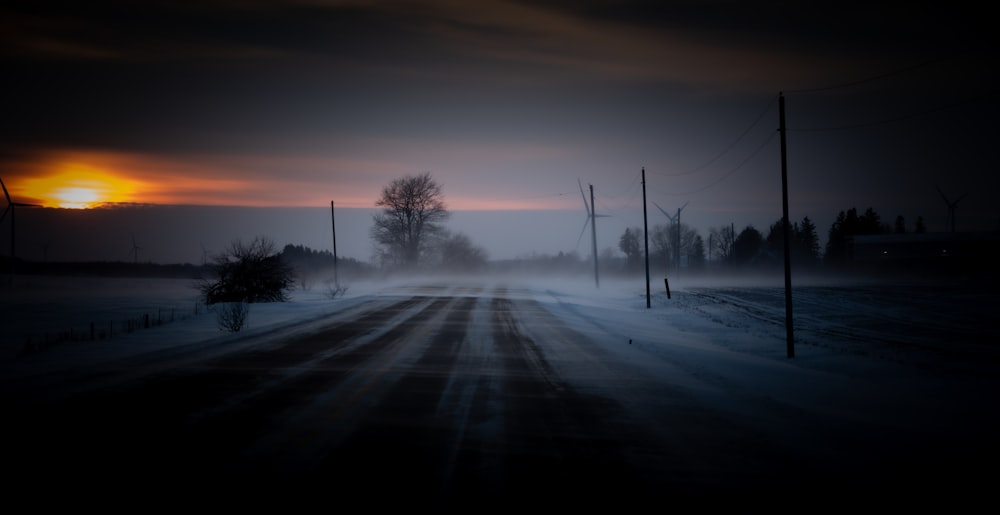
pixel 720 46
pixel 352 178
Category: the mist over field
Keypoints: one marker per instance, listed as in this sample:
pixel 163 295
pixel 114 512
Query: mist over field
pixel 192 234
pixel 41 308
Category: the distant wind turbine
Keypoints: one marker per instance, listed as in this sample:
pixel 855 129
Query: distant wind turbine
pixel 591 215
pixel 10 209
pixel 672 218
pixel 676 220
pixel 952 206
pixel 135 250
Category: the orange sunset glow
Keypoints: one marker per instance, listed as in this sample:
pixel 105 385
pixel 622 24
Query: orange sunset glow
pixel 73 179
pixel 79 189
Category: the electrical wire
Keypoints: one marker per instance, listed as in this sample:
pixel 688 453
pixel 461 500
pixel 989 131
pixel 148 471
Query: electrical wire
pixel 866 80
pixel 731 145
pixel 730 172
pixel 883 122
pixel 876 78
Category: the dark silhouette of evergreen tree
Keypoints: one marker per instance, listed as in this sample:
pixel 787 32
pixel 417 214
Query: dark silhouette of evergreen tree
pixel 631 247
pixel 748 246
pixel 847 225
pixel 806 244
pixel 900 227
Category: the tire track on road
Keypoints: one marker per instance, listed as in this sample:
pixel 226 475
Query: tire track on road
pixel 552 441
pixel 184 416
pixel 405 439
pixel 295 417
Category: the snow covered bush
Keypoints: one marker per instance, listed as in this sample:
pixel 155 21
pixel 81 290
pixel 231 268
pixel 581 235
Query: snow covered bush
pixel 252 272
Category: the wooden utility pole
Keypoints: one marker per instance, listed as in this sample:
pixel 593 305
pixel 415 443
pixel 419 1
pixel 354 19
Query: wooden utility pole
pixel 645 233
pixel 593 231
pixel 677 249
pixel 789 333
pixel 333 221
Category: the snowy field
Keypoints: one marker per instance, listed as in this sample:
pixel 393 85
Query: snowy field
pixel 938 335
pixel 922 326
pixel 933 326
pixel 911 362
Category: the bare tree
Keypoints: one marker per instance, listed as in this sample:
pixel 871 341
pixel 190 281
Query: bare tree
pixel 723 238
pixel 664 239
pixel 232 316
pixel 412 210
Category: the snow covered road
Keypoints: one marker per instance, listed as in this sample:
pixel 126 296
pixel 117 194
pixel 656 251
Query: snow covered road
pixel 459 393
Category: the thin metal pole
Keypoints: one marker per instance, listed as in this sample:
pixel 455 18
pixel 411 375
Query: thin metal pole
pixel 593 231
pixel 789 333
pixel 333 221
pixel 645 233
pixel 677 250
pixel 13 246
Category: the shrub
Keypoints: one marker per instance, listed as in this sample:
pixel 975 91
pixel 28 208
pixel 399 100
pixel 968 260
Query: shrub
pixel 249 273
pixel 232 316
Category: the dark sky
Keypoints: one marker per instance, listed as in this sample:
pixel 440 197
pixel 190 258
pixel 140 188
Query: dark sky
pixel 508 105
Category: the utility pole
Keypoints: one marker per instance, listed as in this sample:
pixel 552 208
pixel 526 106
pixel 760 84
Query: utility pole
pixel 333 221
pixel 13 246
pixel 789 334
pixel 677 249
pixel 593 230
pixel 645 233
pixel 677 240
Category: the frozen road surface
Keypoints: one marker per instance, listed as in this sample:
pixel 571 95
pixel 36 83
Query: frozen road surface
pixel 491 395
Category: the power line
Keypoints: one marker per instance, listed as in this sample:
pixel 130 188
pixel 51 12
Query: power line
pixel 867 79
pixel 730 172
pixel 536 197
pixel 610 209
pixel 876 78
pixel 883 122
pixel 731 145
pixel 635 181
pixel 629 195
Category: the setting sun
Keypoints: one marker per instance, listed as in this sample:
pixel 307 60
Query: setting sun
pixel 77 198
pixel 79 186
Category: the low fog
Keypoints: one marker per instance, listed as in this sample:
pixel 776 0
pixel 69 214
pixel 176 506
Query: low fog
pixel 192 234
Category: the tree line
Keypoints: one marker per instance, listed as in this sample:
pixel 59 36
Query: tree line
pixel 751 248
pixel 408 236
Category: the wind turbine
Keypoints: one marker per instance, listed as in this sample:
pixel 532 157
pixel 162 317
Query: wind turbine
pixel 10 209
pixel 672 218
pixel 676 220
pixel 952 206
pixel 589 207
pixel 135 250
